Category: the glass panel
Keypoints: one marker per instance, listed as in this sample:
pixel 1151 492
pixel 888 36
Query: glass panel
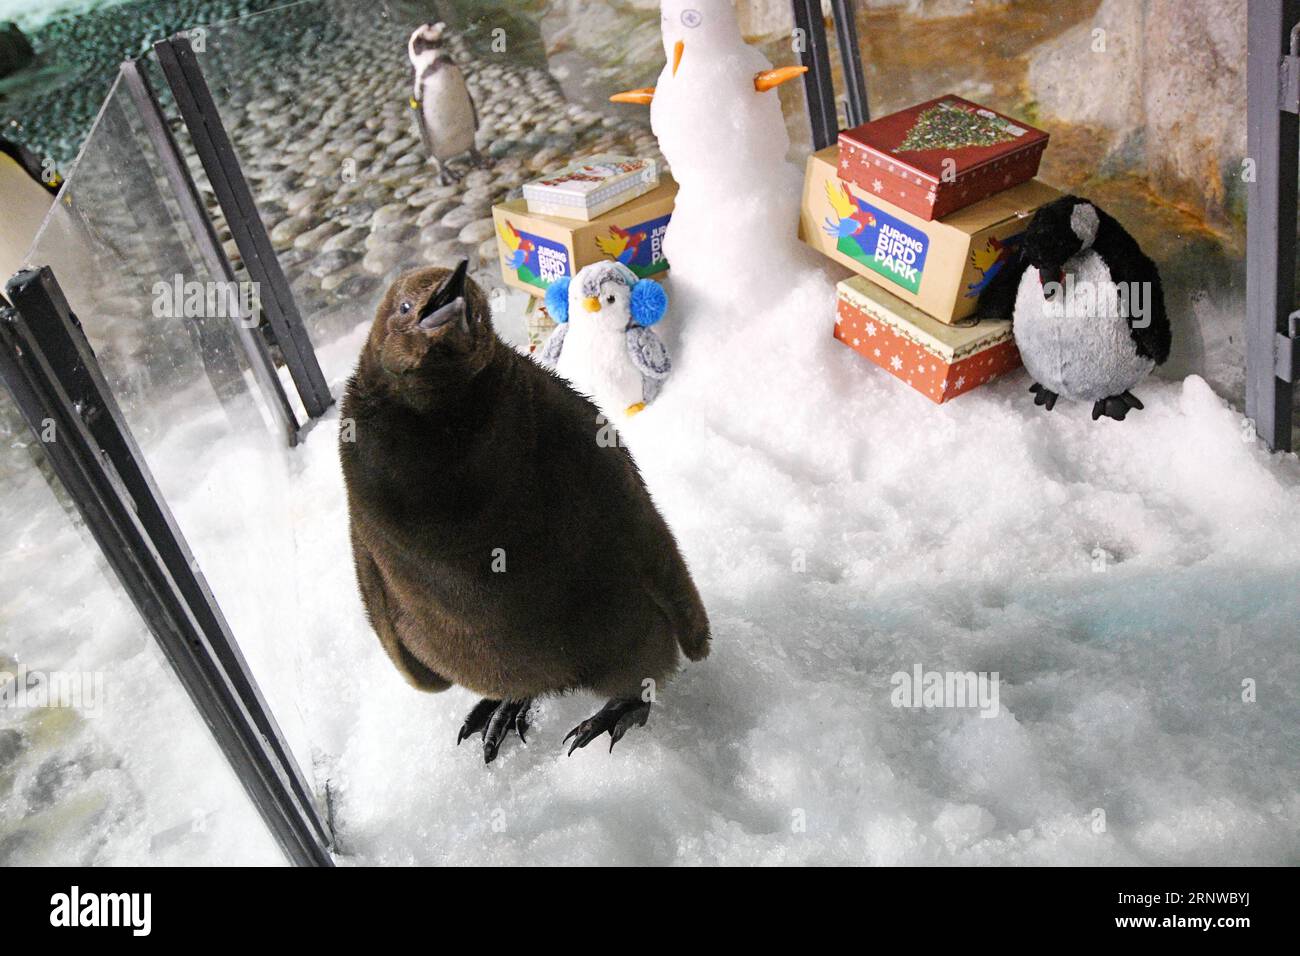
pixel 159 325
pixel 332 151
pixel 103 759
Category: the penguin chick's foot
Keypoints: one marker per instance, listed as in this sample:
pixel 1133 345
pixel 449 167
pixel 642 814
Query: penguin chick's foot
pixel 1044 396
pixel 1116 407
pixel 616 716
pixel 635 409
pixel 493 720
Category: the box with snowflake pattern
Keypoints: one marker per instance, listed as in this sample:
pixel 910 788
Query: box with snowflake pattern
pixel 939 361
pixel 941 156
pixel 939 266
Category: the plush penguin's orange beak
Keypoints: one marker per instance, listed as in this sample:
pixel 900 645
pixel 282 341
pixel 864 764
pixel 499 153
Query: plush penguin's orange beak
pixel 591 304
pixel 771 79
pixel 678 50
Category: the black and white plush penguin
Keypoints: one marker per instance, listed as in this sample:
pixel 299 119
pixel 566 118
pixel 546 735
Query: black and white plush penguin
pixel 444 108
pixel 1087 308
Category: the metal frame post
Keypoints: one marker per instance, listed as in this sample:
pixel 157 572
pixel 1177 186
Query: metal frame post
pixel 217 154
pixel 1273 142
pixel 50 369
pixel 205 237
pixel 856 109
pixel 818 85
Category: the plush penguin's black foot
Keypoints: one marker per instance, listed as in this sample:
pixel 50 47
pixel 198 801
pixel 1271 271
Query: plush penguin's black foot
pixel 1044 396
pixel 493 720
pixel 1116 407
pixel 616 716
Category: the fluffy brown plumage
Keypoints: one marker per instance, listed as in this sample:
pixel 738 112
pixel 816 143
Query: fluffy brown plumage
pixel 468 458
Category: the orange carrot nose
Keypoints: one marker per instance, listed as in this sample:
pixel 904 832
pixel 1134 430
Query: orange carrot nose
pixel 642 97
pixel 771 79
pixel 678 50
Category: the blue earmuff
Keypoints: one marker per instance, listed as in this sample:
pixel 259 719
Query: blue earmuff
pixel 649 302
pixel 557 300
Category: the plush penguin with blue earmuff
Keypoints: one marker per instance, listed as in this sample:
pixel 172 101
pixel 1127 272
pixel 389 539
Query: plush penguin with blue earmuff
pixel 604 344
pixel 1087 308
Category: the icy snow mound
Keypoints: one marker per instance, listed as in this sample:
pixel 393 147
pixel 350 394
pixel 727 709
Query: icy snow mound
pixel 1123 579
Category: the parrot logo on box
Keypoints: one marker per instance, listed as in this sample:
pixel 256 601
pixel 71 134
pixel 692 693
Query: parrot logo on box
pixel 639 247
pixel 990 260
pixel 883 244
pixel 535 261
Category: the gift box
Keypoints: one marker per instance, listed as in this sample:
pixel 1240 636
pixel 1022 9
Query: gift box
pixel 536 250
pixel 939 266
pixel 538 324
pixel 941 156
pixel 939 361
pixel 591 187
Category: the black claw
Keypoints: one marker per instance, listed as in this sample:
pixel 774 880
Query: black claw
pixel 616 717
pixel 493 720
pixel 504 719
pixel 477 719
pixel 521 722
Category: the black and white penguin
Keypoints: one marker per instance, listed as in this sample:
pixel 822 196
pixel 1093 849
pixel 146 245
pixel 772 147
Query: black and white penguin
pixel 444 108
pixel 1087 308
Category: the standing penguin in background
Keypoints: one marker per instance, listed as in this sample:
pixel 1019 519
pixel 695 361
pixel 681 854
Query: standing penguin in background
pixel 499 542
pixel 1087 308
pixel 443 106
pixel 604 343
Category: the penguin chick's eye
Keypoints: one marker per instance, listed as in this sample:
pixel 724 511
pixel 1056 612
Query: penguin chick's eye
pixel 404 308
pixel 692 18
pixel 609 299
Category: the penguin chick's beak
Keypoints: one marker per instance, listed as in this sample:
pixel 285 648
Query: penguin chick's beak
pixel 640 97
pixel 447 302
pixel 678 50
pixel 444 316
pixel 771 79
pixel 591 304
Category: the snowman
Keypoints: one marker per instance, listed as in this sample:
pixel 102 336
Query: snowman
pixel 733 236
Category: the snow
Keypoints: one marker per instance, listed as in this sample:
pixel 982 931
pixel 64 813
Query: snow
pixel 1123 580
pixel 841 529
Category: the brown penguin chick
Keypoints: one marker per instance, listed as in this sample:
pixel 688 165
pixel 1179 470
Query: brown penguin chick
pixel 501 541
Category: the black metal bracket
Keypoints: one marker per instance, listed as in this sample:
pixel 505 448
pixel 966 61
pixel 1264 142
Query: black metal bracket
pixel 856 110
pixel 1288 351
pixel 51 370
pixel 212 143
pixel 201 228
pixel 819 87
pixel 1273 145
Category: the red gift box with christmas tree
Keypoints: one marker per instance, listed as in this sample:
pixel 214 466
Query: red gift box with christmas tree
pixel 940 156
pixel 939 361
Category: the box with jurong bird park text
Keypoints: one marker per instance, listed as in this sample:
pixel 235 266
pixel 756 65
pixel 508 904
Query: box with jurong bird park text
pixel 939 361
pixel 536 249
pixel 940 266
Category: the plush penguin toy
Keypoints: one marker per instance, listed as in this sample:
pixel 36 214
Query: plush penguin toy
pixel 604 344
pixel 444 109
pixel 1087 308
